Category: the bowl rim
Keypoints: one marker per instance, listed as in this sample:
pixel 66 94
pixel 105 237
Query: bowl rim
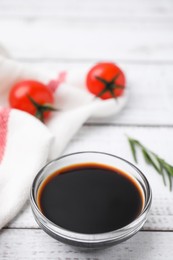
pixel 91 238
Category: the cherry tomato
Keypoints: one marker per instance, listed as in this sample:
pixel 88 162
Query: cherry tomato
pixel 33 97
pixel 106 80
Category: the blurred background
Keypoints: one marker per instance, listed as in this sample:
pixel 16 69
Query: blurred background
pixel 136 34
pixel 135 30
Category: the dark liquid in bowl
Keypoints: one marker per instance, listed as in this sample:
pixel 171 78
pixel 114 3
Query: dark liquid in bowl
pixel 90 198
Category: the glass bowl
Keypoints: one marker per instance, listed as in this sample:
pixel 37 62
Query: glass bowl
pixel 91 240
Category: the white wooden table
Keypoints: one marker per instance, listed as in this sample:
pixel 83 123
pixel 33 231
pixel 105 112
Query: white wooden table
pixel 138 35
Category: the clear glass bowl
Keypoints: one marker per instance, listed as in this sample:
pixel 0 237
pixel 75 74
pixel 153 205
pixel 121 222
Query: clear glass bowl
pixel 91 240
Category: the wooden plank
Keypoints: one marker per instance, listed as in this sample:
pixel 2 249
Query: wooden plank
pixel 113 140
pixel 150 91
pixel 98 9
pixel 35 244
pixel 88 40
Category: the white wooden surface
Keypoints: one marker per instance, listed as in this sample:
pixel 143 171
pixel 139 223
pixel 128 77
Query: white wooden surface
pixel 136 34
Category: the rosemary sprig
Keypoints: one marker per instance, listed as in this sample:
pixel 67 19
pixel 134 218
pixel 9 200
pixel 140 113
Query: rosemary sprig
pixel 159 164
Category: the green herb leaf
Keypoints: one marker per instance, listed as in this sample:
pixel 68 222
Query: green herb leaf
pixel 160 165
pixel 162 171
pixel 132 146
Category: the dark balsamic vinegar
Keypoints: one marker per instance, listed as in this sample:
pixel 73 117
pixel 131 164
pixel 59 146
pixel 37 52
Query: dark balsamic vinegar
pixel 90 198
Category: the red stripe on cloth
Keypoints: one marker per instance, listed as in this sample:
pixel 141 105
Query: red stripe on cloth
pixel 54 84
pixel 4 116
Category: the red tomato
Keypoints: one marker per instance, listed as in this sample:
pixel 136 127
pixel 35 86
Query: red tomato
pixel 106 80
pixel 33 97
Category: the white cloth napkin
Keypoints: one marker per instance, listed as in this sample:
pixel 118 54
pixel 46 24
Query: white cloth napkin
pixel 24 148
pixel 26 144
